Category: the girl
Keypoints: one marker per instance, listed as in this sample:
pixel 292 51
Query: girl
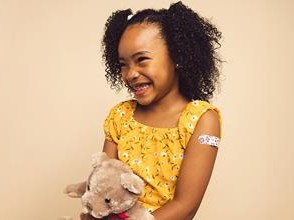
pixel 169 133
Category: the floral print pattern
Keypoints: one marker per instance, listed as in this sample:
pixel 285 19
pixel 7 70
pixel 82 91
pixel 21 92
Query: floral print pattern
pixel 155 154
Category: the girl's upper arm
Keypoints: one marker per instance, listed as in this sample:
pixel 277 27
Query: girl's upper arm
pixel 197 166
pixel 110 148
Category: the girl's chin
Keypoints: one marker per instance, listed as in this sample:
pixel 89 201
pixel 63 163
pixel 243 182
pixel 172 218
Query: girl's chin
pixel 143 100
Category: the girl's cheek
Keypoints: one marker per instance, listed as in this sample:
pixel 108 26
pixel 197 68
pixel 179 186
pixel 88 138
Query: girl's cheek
pixel 123 75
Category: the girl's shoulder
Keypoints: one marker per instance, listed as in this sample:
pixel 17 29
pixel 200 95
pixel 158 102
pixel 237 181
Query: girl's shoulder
pixel 198 107
pixel 194 110
pixel 123 108
pixel 116 118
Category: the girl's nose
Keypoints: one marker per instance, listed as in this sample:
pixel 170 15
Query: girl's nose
pixel 132 74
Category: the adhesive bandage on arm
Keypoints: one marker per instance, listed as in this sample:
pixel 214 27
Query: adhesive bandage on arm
pixel 210 140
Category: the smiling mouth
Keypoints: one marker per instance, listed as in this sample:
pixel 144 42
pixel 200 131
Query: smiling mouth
pixel 140 88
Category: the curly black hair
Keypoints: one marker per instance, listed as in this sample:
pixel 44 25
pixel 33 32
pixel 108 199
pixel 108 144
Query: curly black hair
pixel 192 43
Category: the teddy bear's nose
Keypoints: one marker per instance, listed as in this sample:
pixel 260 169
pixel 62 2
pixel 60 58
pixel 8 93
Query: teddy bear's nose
pixel 107 200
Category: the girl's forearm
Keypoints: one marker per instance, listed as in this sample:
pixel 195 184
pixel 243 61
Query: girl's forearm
pixel 175 210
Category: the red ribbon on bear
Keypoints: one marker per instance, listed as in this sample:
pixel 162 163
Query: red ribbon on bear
pixel 122 216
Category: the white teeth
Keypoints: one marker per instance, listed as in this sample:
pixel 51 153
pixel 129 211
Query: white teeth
pixel 140 87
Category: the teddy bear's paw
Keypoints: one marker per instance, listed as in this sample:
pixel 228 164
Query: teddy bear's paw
pixel 75 190
pixel 73 195
pixel 65 218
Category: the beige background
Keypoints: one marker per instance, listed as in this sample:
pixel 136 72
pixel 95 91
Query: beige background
pixel 54 98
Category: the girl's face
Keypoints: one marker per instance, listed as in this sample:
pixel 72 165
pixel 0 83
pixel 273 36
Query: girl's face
pixel 146 67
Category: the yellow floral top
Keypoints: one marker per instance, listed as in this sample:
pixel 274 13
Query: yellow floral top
pixel 155 154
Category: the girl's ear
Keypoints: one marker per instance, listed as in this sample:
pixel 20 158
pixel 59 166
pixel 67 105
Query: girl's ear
pixel 132 183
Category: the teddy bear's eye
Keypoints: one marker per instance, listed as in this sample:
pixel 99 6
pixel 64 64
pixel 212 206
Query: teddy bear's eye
pixel 107 200
pixel 88 187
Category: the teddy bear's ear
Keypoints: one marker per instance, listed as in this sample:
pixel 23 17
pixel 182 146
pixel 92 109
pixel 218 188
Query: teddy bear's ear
pixel 132 183
pixel 98 158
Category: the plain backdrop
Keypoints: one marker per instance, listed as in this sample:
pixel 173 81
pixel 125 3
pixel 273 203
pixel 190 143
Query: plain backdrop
pixel 54 98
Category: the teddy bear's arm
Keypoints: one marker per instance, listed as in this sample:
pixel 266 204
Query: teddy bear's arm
pixel 76 190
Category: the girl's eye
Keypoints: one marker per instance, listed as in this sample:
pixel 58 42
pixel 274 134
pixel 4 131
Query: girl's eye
pixel 141 59
pixel 122 65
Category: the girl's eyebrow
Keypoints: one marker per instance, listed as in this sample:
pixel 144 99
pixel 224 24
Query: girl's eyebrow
pixel 136 54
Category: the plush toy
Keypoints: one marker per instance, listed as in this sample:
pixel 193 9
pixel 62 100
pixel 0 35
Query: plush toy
pixel 111 192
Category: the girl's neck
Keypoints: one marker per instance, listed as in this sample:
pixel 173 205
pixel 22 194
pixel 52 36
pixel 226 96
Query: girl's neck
pixel 162 114
pixel 169 104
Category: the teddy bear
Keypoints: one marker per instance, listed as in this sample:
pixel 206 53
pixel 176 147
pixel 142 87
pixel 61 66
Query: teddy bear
pixel 111 191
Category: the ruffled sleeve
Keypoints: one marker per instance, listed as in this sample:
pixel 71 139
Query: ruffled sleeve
pixel 115 119
pixel 190 118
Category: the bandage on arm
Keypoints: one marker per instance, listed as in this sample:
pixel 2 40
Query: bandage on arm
pixel 209 140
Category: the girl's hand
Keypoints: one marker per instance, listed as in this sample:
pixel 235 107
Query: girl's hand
pixel 88 217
